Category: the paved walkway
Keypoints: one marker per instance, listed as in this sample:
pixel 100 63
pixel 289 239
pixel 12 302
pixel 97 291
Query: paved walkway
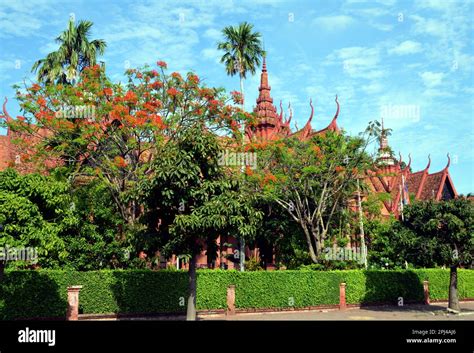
pixel 409 312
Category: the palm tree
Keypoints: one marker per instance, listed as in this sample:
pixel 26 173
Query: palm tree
pixel 242 51
pixel 74 54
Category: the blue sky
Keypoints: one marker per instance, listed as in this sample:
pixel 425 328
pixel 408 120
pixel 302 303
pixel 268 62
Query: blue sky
pixel 410 61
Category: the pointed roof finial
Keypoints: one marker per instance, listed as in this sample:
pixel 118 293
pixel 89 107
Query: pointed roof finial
pixel 449 162
pixel 291 113
pixel 264 66
pixel 337 110
pixel 312 111
pixel 5 114
pixel 281 111
pixel 400 160
pixel 429 162
pixel 409 161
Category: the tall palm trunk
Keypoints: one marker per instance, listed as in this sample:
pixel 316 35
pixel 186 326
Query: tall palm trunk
pixel 242 241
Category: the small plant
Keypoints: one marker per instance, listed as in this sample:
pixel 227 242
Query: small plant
pixel 253 264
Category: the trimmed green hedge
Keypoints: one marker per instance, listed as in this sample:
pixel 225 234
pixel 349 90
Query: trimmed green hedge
pixel 30 294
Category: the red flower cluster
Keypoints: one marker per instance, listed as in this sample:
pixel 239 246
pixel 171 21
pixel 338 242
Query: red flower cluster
pixel 41 101
pixel 120 162
pixel 157 85
pixel 176 75
pixel 108 91
pixel 194 79
pixel 237 97
pixel 130 97
pixel 35 87
pixel 173 92
pixel 162 64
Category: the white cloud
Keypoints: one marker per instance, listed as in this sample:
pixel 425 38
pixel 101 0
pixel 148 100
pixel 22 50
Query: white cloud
pixel 432 79
pixel 358 62
pixel 211 54
pixel 436 28
pixel 213 34
pixel 406 47
pixel 333 23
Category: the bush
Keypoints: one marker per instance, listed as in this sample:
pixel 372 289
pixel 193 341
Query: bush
pixel 30 294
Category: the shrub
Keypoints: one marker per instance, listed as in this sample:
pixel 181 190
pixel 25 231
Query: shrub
pixel 30 294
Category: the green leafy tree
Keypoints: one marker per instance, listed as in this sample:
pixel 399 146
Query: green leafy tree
pixel 192 200
pixel 35 212
pixel 434 234
pixel 76 52
pixel 70 227
pixel 312 180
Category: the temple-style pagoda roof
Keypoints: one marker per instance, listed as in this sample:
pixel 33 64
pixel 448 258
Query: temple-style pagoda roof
pixel 390 177
pixel 271 126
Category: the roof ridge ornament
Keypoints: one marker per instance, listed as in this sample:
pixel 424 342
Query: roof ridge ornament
pixel 449 162
pixel 312 111
pixel 337 111
pixel 5 114
pixel 429 163
pixel 291 114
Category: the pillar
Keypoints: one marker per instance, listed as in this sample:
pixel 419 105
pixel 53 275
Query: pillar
pixel 73 302
pixel 230 300
pixel 426 292
pixel 342 296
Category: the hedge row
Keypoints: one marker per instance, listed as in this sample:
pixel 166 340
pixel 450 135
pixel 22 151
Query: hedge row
pixel 31 294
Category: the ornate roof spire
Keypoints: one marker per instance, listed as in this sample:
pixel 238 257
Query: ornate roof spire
pixel 385 155
pixel 383 138
pixel 267 116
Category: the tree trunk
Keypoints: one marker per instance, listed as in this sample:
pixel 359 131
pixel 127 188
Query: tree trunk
pixel 453 289
pixel 242 91
pixel 191 310
pixel 312 254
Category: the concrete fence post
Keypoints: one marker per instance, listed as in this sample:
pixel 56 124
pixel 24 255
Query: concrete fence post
pixel 73 302
pixel 426 291
pixel 230 300
pixel 342 296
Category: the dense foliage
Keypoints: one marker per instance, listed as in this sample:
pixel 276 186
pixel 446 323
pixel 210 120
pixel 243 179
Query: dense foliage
pixel 141 291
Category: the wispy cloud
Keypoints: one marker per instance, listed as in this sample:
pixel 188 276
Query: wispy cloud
pixel 406 47
pixel 333 23
pixel 432 79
